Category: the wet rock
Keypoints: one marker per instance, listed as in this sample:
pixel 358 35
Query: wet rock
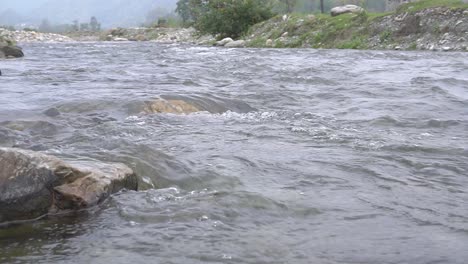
pixel 170 106
pixel 34 184
pixel 9 51
pixel 235 44
pixel 224 41
pixel 52 112
pixel 177 104
pixel 339 10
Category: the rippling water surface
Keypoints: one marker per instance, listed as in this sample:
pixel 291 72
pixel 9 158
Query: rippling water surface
pixel 351 156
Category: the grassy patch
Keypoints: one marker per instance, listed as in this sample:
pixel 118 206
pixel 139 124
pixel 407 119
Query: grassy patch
pixel 355 43
pixel 423 4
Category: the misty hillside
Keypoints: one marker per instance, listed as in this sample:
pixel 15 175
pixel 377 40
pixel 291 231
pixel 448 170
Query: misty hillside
pixel 110 13
pixel 10 17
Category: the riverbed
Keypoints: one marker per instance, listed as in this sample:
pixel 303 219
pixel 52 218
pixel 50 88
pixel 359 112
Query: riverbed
pixel 348 157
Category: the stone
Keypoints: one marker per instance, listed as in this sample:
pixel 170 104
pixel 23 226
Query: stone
pixel 339 10
pixel 33 184
pixel 52 112
pixel 179 104
pixel 446 48
pixel 269 43
pixel 12 51
pixel 224 41
pixel 235 44
pixel 170 106
pixel 120 39
pixel 285 34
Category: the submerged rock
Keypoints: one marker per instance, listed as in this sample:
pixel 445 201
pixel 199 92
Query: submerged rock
pixel 33 184
pixel 339 10
pixel 178 104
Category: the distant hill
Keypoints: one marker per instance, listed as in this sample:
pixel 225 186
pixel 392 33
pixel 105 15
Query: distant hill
pixel 110 13
pixel 10 17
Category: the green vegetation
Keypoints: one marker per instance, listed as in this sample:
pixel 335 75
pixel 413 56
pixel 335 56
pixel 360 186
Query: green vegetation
pixel 224 18
pixel 419 5
pixel 347 31
pixel 7 41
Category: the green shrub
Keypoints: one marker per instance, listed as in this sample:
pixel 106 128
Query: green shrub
pixel 232 18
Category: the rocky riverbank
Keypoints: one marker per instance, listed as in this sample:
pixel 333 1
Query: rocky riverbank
pixel 22 36
pixel 435 28
pixel 159 34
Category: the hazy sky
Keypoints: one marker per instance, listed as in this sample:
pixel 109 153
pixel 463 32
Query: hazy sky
pixel 110 13
pixel 21 6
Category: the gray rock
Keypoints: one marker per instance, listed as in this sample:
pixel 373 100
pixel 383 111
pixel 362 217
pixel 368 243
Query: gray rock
pixel 52 112
pixel 224 41
pixel 339 10
pixel 235 44
pixel 34 184
pixel 11 51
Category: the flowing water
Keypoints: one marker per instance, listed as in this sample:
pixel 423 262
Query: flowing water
pixel 348 157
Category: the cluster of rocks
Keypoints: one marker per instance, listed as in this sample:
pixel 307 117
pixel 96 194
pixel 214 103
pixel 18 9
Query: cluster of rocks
pixel 438 28
pixel 32 36
pixel 33 184
pixel 158 34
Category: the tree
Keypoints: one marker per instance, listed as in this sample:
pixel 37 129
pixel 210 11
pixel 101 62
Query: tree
pixel 290 4
pixel 191 10
pixel 229 18
pixel 95 26
pixel 45 26
pixel 322 9
pixel 84 27
pixel 76 25
pixel 183 9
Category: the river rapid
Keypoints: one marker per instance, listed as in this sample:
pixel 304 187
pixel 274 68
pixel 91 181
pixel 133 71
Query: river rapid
pixel 348 157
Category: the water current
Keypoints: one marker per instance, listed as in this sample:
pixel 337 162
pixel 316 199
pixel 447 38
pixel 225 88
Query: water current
pixel 347 156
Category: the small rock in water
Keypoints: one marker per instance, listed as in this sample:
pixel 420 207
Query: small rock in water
pixel 52 112
pixel 446 48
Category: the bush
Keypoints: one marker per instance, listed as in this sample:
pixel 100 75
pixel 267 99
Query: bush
pixel 232 18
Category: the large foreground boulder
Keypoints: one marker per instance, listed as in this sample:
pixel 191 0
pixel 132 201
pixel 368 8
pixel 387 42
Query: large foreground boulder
pixel 339 10
pixel 34 184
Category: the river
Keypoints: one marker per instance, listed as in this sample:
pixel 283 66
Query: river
pixel 349 157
